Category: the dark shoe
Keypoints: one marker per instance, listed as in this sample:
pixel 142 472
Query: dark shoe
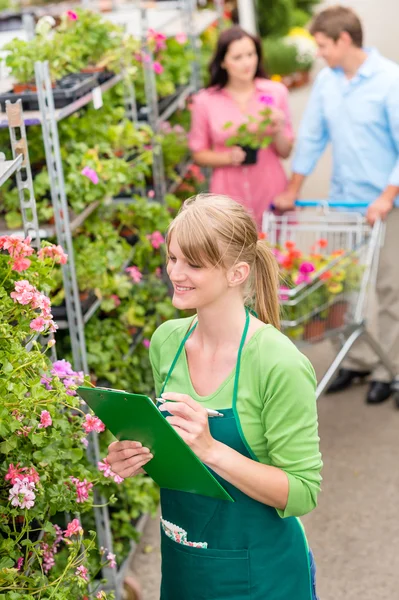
pixel 379 391
pixel 344 379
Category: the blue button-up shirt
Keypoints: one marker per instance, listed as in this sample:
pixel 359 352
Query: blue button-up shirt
pixel 360 117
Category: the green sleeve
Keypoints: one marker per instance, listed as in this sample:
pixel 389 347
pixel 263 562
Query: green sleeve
pixel 155 359
pixel 289 418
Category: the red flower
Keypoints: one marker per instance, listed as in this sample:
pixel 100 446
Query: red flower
pixel 290 245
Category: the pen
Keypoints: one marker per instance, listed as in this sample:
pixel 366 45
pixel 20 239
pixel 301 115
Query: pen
pixel 211 413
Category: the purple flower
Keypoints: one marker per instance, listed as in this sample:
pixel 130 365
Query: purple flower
pixel 62 368
pixel 46 382
pixel 146 343
pixel 90 174
pixel 266 99
pixel 306 267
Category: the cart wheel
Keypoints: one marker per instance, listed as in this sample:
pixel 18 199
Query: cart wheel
pixel 396 399
pixel 132 589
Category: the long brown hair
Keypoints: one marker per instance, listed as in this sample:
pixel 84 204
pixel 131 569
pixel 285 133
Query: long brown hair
pixel 219 75
pixel 213 230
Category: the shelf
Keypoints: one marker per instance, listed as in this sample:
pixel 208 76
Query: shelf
pixel 8 167
pixel 33 117
pixel 63 323
pixel 167 19
pixel 177 102
pixel 48 231
pixel 181 175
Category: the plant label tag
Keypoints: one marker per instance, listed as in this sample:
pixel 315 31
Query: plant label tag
pixel 97 98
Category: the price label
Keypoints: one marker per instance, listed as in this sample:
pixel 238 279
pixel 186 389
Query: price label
pixel 97 98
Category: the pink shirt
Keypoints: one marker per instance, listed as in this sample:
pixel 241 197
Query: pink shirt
pixel 254 186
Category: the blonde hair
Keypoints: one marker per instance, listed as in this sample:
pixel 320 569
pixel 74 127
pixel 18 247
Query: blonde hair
pixel 213 230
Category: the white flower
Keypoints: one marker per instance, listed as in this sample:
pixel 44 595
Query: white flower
pixel 44 25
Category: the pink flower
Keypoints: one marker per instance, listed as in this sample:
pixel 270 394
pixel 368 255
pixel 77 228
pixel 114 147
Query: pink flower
pixel 93 424
pixel 302 278
pixel 38 324
pixel 54 252
pixel 101 595
pixel 72 16
pixel 283 296
pixel 90 174
pixel 105 467
pixel 181 38
pixel 82 489
pixel 156 238
pixel 146 343
pixel 21 264
pixel 82 572
pixel 135 274
pixel 158 38
pixel 266 99
pixel 111 559
pixel 13 473
pixel 17 248
pixel 151 194
pixel 45 420
pixel 24 292
pixel 158 68
pixel 306 267
pixel 20 562
pixel 85 442
pixel 21 494
pixel 73 528
pixel 116 299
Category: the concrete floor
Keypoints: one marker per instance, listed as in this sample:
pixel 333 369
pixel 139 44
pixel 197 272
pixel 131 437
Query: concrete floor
pixel 354 532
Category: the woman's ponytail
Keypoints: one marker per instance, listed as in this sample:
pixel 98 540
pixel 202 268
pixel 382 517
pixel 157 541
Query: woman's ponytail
pixel 266 284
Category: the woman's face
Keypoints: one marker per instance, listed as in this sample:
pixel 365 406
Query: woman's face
pixel 241 60
pixel 194 287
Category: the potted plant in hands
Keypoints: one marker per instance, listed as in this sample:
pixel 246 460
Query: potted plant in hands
pixel 252 135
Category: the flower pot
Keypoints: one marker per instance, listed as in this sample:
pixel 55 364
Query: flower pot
pixel 251 155
pixel 336 314
pixel 314 330
pixel 19 88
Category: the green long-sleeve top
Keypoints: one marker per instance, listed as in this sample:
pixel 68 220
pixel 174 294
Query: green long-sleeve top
pixel 276 404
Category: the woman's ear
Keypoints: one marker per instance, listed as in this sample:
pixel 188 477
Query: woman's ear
pixel 238 274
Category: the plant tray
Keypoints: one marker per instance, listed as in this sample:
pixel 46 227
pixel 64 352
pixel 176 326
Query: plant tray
pixel 163 104
pixel 60 312
pixel 10 21
pixel 68 89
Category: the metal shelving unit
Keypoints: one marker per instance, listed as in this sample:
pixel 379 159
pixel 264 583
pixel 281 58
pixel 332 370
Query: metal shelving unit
pixel 8 167
pixel 48 117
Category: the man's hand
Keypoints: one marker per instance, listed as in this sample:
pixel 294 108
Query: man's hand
pixel 285 201
pixel 379 209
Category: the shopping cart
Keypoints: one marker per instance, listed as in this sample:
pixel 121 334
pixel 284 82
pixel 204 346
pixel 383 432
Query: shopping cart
pixel 329 261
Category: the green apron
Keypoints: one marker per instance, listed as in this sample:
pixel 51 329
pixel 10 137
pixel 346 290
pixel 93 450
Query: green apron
pixel 252 553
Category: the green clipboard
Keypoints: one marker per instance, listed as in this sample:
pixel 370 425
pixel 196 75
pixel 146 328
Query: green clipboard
pixel 135 417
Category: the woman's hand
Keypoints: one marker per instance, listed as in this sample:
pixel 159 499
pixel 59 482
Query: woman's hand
pixel 190 420
pixel 236 156
pixel 277 124
pixel 127 458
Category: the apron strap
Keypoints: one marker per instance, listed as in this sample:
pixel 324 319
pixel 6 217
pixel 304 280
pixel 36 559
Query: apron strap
pixel 240 349
pixel 238 365
pixel 176 358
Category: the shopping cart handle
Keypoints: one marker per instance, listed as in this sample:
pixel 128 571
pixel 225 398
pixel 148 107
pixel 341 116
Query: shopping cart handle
pixel 331 204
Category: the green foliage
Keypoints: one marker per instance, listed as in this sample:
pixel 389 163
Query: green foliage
pixel 253 133
pixel 280 58
pixel 274 17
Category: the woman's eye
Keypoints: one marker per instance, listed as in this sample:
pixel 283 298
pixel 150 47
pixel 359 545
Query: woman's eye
pixel 172 258
pixel 194 266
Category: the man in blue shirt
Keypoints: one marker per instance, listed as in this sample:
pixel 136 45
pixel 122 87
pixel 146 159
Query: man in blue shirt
pixel 354 105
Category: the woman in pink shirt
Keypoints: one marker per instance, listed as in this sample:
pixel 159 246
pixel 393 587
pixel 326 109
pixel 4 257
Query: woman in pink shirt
pixel 238 88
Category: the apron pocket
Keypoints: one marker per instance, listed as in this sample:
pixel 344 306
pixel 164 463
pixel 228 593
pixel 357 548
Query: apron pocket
pixel 203 573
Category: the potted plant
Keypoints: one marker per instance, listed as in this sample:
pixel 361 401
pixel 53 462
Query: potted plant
pixel 251 135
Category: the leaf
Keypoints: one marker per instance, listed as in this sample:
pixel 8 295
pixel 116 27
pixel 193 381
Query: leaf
pixel 7 367
pixel 6 563
pixel 228 124
pixel 8 445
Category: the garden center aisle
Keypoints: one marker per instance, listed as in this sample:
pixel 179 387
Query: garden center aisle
pixel 355 530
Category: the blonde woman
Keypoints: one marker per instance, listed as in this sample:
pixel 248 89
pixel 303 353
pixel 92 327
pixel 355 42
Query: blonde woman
pixel 265 449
